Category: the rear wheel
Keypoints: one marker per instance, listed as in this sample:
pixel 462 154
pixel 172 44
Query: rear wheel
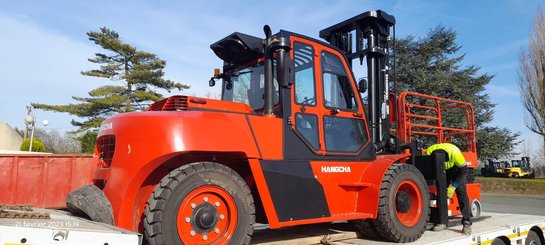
pixel 515 175
pixel 200 203
pixel 403 210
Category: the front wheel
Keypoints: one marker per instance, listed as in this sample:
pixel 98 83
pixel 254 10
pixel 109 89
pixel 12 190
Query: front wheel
pixel 403 210
pixel 200 203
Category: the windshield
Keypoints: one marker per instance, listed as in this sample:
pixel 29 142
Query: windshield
pixel 247 85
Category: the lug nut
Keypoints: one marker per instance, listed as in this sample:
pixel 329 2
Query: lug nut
pixel 193 205
pixel 205 237
pixel 217 230
pixel 221 216
pixel 205 199
pixel 217 204
pixel 192 233
pixel 187 219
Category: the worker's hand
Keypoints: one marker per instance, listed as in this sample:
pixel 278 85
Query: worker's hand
pixel 450 191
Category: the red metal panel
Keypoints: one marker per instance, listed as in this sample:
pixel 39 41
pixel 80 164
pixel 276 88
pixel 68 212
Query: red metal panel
pixel 6 179
pixel 43 180
pixel 29 181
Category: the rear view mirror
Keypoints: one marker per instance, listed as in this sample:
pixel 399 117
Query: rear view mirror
pixel 362 85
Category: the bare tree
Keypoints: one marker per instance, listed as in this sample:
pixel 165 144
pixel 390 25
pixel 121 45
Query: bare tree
pixel 57 142
pixel 531 77
pixel 212 95
pixel 539 157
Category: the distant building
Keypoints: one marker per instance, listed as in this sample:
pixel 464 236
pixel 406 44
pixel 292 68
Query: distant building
pixel 9 139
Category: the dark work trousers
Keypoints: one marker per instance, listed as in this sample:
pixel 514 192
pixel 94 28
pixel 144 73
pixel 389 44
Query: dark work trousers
pixel 461 192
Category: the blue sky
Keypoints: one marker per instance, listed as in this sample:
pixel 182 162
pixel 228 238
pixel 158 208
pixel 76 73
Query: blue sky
pixel 44 46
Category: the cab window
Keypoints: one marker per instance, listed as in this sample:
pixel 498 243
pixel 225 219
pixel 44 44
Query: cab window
pixel 344 134
pixel 305 92
pixel 247 85
pixel 338 92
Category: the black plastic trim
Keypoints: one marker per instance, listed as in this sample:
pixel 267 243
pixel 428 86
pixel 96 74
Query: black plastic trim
pixel 295 192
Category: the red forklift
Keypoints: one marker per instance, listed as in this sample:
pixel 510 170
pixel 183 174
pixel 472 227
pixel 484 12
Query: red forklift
pixel 291 142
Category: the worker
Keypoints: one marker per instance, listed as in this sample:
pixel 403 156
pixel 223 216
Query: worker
pixel 456 168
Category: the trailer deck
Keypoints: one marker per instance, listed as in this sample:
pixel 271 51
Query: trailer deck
pixel 489 226
pixel 63 228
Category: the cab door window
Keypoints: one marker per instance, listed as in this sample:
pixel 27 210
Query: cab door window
pixel 306 120
pixel 343 132
pixel 307 126
pixel 338 92
pixel 305 91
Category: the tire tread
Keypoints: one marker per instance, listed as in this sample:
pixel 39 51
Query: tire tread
pixel 155 205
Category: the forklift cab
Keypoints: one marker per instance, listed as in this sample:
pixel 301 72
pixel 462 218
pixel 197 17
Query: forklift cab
pixel 319 97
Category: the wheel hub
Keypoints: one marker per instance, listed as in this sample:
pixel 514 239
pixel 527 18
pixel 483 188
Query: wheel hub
pixel 205 217
pixel 403 202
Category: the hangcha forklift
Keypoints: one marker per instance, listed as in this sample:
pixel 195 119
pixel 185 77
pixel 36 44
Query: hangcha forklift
pixel 291 142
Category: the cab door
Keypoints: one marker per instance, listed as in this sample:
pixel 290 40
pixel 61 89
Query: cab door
pixel 323 126
pixel 344 130
pixel 326 112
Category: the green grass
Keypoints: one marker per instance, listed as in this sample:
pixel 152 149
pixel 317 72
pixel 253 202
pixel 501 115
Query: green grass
pixel 512 186
pixel 542 181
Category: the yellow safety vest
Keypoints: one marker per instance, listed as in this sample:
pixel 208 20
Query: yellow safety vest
pixel 455 157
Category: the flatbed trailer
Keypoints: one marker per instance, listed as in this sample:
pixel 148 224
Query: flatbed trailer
pixel 504 227
pixel 63 228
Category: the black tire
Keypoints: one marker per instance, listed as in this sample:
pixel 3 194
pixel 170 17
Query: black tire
pixel 515 175
pixel 388 224
pixel 366 228
pixel 533 239
pixel 500 241
pixel 161 221
pixel 90 201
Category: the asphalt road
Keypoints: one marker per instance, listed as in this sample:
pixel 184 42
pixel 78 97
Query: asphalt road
pixel 516 204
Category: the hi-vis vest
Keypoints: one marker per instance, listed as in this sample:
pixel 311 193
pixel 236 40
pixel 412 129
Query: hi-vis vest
pixel 455 157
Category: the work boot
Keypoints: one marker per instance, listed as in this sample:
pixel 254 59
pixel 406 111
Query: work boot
pixel 467 228
pixel 439 227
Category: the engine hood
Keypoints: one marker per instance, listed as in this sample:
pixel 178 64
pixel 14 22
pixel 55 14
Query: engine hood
pixel 189 103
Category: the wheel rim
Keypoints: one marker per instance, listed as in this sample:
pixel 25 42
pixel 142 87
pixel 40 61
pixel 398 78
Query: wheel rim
pixel 408 216
pixel 207 215
pixel 475 209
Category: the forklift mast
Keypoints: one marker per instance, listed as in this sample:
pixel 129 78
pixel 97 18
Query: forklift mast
pixel 372 31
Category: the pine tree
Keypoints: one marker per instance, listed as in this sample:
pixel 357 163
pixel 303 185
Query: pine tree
pixel 432 65
pixel 138 73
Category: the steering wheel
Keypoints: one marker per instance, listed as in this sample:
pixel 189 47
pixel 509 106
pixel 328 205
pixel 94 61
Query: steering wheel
pixel 309 101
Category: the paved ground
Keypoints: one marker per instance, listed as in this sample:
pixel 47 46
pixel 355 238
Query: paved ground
pixel 517 204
